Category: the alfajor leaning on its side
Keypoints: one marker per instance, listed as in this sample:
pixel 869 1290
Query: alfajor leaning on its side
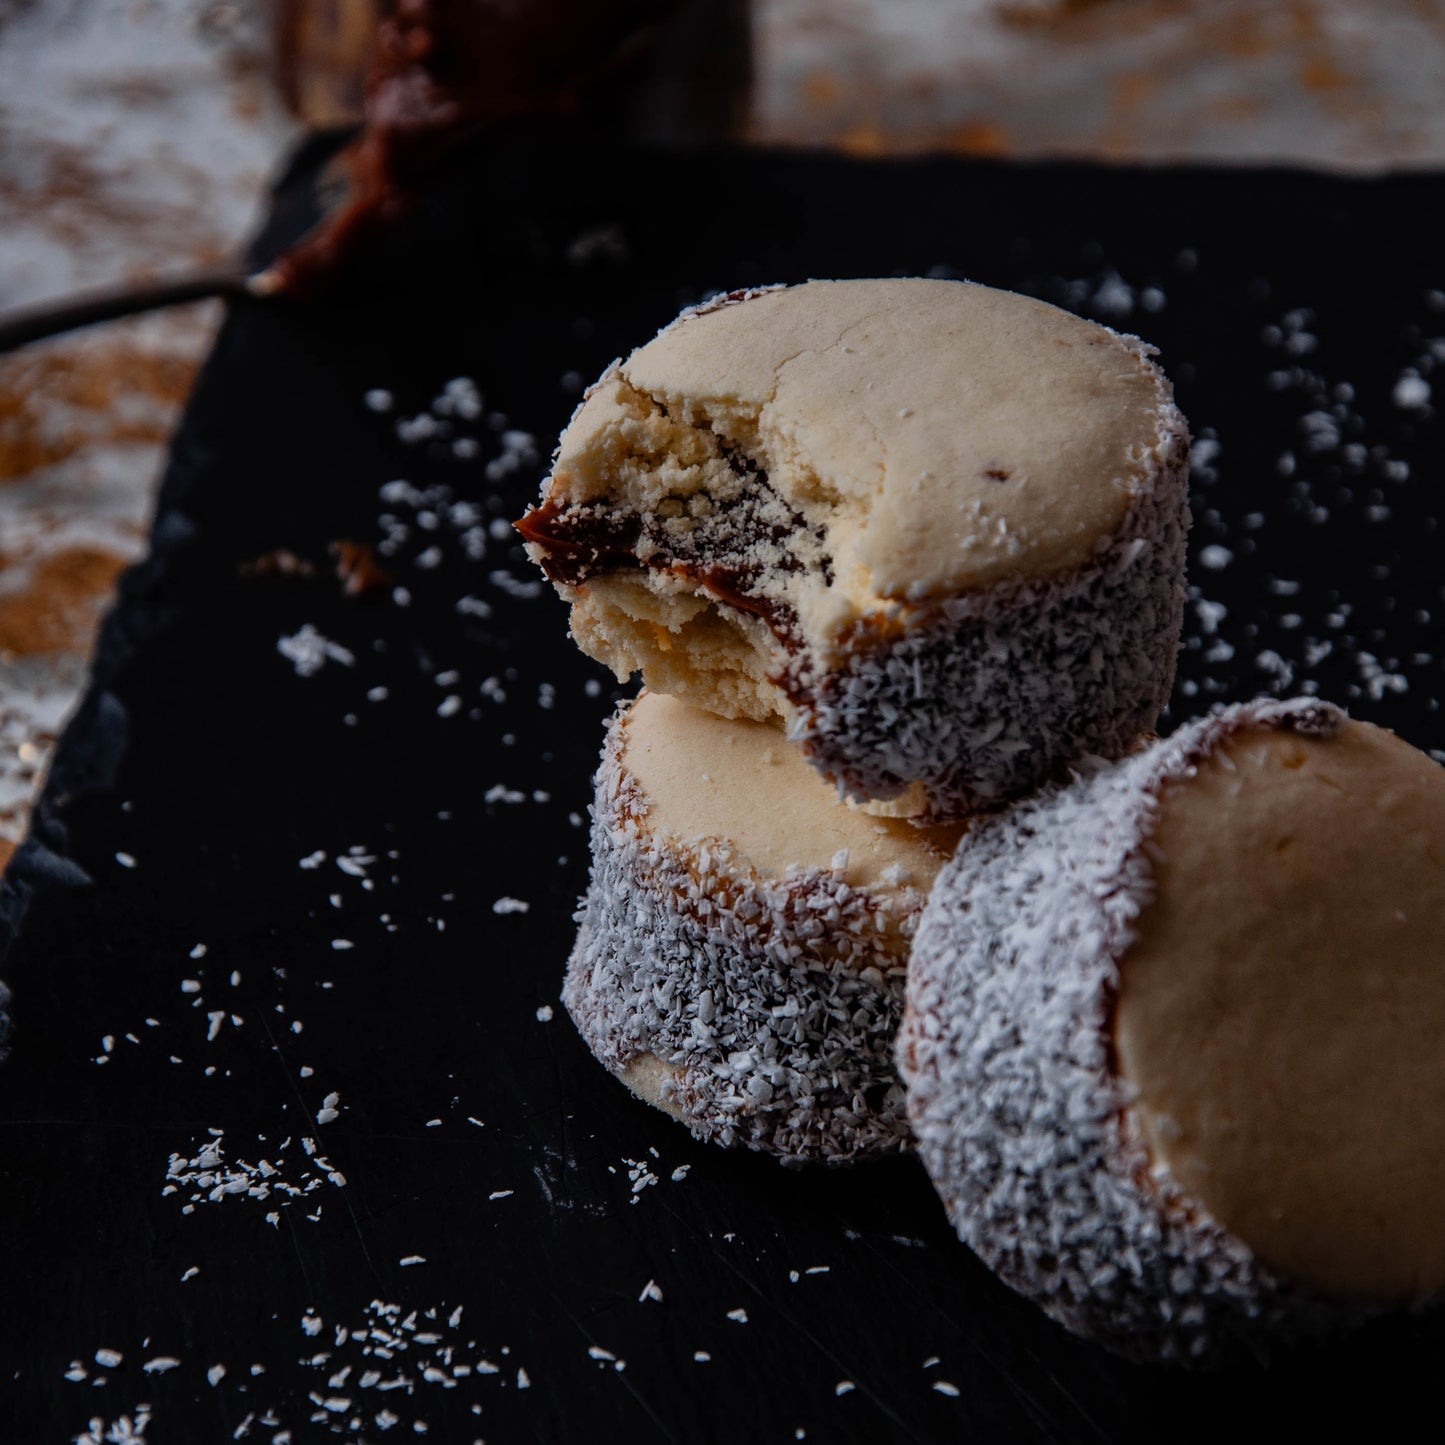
pixel 935 529
pixel 743 943
pixel 1173 1036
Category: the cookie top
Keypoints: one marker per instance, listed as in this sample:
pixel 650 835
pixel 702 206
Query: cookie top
pixel 934 437
pixel 1281 1009
pixel 705 777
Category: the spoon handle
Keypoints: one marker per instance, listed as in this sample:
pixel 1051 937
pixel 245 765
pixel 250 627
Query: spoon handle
pixel 50 318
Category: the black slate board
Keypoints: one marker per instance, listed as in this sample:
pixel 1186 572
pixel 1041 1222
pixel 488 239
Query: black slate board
pixel 1288 309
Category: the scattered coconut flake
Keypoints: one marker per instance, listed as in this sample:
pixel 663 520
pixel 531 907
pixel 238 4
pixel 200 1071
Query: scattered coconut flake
pixel 640 1176
pixel 123 1430
pixel 278 1174
pixel 308 651
pixel 500 793
pixel 1412 392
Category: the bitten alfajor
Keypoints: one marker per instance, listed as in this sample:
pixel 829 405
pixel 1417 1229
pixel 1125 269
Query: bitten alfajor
pixel 1173 1041
pixel 743 942
pixel 935 528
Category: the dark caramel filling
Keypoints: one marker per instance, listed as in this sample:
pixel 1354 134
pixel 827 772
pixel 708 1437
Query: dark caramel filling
pixel 725 548
pixel 579 542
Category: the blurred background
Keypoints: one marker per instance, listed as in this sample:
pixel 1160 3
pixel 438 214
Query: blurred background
pixel 137 138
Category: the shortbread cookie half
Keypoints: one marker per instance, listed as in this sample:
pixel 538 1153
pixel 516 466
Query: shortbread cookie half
pixel 935 528
pixel 1173 1036
pixel 742 947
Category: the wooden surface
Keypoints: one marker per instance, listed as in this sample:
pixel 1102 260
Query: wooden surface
pixel 134 139
pixel 327 903
pixel 1351 86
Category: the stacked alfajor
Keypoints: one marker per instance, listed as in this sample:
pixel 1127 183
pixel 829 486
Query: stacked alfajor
pixel 901 564
pixel 885 553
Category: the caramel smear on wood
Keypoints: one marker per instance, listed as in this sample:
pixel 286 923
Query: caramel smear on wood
pixel 57 401
pixel 59 605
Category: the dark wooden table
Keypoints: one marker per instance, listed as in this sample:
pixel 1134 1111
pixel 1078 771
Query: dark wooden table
pixel 304 875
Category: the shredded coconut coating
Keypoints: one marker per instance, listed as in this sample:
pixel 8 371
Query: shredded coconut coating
pixel 773 1003
pixel 1003 689
pixel 1006 1049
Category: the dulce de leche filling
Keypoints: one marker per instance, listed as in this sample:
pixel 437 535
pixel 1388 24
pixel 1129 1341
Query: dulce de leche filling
pixel 1282 1012
pixel 723 547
